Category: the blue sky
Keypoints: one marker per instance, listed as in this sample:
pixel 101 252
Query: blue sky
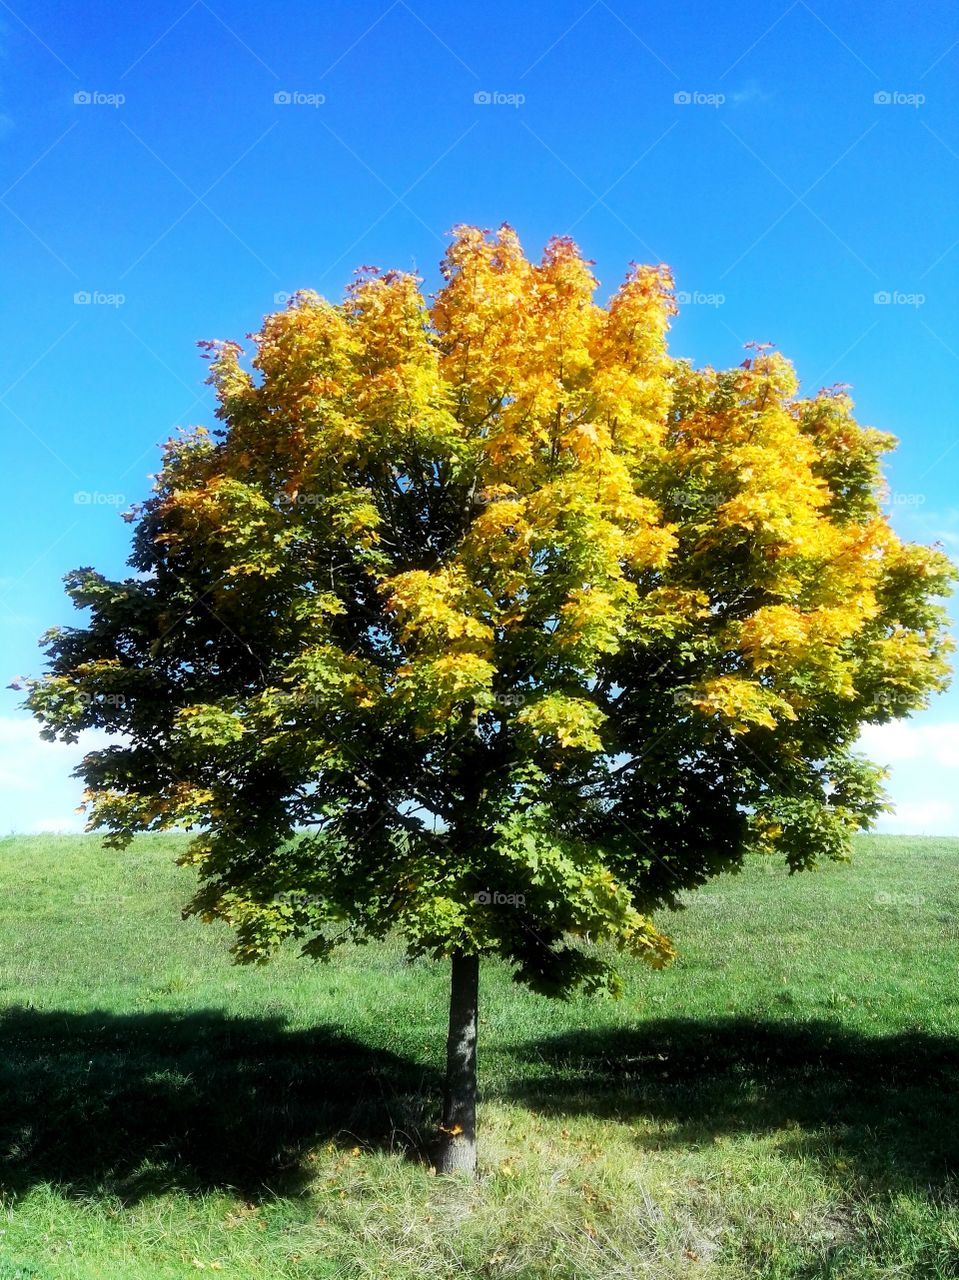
pixel 183 165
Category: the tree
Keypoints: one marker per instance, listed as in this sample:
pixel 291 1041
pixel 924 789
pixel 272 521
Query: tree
pixel 489 622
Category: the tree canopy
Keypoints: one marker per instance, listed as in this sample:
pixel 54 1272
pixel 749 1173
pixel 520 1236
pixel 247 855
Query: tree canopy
pixel 483 618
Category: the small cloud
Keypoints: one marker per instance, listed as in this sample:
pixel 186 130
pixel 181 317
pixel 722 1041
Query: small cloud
pixel 36 786
pixel 934 744
pixel 921 818
pixel 59 826
pixel 749 93
pixel 931 526
pixel 923 760
pixel 944 528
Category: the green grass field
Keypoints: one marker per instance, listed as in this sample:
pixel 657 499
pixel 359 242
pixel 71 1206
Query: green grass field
pixel 781 1103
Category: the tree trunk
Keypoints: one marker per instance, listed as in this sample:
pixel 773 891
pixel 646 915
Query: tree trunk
pixel 457 1145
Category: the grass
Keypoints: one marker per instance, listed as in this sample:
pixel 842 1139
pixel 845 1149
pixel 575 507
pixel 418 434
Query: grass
pixel 782 1103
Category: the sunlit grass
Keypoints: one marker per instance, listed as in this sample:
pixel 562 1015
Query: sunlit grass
pixel 781 1103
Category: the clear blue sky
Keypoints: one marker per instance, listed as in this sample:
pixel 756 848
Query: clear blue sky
pixel 783 194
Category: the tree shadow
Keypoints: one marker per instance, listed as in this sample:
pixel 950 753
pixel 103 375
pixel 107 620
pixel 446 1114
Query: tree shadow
pixel 883 1108
pixel 137 1104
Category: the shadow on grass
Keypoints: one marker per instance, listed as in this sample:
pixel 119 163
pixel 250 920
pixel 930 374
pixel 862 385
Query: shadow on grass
pixel 133 1105
pixel 137 1104
pixel 883 1109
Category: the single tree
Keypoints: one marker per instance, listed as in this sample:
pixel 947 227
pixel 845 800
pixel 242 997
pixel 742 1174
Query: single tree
pixel 489 622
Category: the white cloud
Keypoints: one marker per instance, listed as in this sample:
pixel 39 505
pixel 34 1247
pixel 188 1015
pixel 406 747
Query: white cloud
pixel 937 744
pixel 923 760
pixel 37 792
pixel 750 92
pixel 61 826
pixel 929 525
pixel 922 817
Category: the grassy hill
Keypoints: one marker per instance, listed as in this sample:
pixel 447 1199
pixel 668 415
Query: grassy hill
pixel 783 1102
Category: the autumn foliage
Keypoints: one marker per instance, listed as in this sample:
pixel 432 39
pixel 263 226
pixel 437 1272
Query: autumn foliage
pixel 491 595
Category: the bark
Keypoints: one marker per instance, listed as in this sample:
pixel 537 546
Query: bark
pixel 457 1144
